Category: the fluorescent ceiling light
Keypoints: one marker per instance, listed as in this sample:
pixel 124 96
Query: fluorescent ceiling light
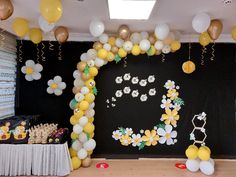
pixel 130 9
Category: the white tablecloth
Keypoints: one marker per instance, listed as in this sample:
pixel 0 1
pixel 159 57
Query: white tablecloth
pixel 34 159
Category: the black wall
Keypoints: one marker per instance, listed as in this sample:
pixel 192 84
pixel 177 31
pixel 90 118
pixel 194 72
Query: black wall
pixel 211 88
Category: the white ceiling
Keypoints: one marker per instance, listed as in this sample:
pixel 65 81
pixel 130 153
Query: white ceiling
pixel 78 14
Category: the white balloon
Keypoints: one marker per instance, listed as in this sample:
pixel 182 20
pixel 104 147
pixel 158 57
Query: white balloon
pixel 119 42
pixel 107 47
pixel 76 145
pixel 90 145
pixel 135 38
pixel 83 137
pixel 162 31
pixel 92 54
pixel 77 129
pixel 83 121
pixel 83 57
pixel 144 35
pixel 84 90
pixel 78 82
pixel 79 97
pixel 99 62
pixel 193 165
pixel 201 22
pixel 76 74
pixel 82 154
pixel 90 113
pixel 96 28
pixel 144 45
pixel 159 45
pixel 92 105
pixel 166 49
pixel 90 63
pixel 44 25
pixel 207 167
pixel 127 46
pixel 103 38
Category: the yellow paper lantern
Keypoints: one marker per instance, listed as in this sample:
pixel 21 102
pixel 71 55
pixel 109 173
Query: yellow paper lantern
pixel 122 53
pixel 175 45
pixel 35 35
pixel 89 128
pixel 20 26
pixel 136 50
pixel 102 53
pixel 93 71
pixel 83 105
pixel 188 67
pixel 51 10
pixel 76 162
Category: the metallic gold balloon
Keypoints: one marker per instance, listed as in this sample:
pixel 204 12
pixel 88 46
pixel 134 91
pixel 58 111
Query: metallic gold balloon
pixel 97 45
pixel 85 76
pixel 215 29
pixel 114 49
pixel 76 90
pixel 61 34
pixel 81 66
pixel 124 32
pixel 6 9
pixel 152 39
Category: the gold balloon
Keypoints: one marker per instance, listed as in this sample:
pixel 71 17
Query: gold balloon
pixel 75 90
pixel 124 32
pixel 61 34
pixel 85 76
pixel 152 39
pixel 97 45
pixel 81 66
pixel 114 49
pixel 215 29
pixel 6 9
pixel 87 162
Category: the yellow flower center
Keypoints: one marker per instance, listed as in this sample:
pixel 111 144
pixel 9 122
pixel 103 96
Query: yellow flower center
pixel 54 86
pixel 167 135
pixel 29 70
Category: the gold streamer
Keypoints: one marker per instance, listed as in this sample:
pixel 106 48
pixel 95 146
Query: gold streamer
pixel 20 52
pixel 59 52
pixel 42 53
pixel 125 62
pixel 213 52
pixel 51 46
pixel 163 58
pixel 204 50
pixel 38 53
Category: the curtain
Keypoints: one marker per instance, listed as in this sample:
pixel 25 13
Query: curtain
pixel 7 74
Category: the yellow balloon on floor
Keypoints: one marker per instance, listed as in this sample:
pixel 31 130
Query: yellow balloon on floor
pixel 76 162
pixel 191 153
pixel 233 33
pixel 20 26
pixel 51 10
pixel 203 153
pixel 36 35
pixel 89 128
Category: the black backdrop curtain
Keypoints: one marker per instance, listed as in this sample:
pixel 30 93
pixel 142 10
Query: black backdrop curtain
pixel 211 88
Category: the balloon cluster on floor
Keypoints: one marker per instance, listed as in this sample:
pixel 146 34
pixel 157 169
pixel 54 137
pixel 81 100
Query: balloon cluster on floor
pixel 107 49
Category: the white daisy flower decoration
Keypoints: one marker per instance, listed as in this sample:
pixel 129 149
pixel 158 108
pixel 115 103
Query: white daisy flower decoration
pixel 136 140
pixel 151 78
pixel 166 135
pixel 119 93
pixel 166 104
pixel 119 80
pixel 152 92
pixel 135 80
pixel 127 77
pixel 143 82
pixel 169 84
pixel 128 131
pixel 116 135
pixel 56 86
pixel 143 97
pixel 135 93
pixel 127 90
pixel 32 70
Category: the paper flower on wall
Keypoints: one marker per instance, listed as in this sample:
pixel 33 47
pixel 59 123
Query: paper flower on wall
pixel 167 135
pixel 135 93
pixel 151 78
pixel 119 80
pixel 32 70
pixel 143 82
pixel 127 77
pixel 118 93
pixel 135 80
pixel 127 90
pixel 56 86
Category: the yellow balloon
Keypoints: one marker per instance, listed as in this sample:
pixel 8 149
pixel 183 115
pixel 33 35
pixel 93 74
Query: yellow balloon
pixel 35 35
pixel 102 53
pixel 110 56
pixel 73 153
pixel 175 45
pixel 136 50
pixel 93 71
pixel 90 152
pixel 191 153
pixel 112 41
pixel 90 83
pixel 122 53
pixel 204 39
pixel 203 153
pixel 89 97
pixel 233 33
pixel 76 162
pixel 20 26
pixel 89 128
pixel 78 113
pixel 208 149
pixel 51 10
pixel 91 135
pixel 83 105
pixel 73 136
pixel 97 45
pixel 74 119
pixel 91 119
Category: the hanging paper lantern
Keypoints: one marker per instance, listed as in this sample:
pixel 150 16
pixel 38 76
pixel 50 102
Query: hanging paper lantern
pixel 188 67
